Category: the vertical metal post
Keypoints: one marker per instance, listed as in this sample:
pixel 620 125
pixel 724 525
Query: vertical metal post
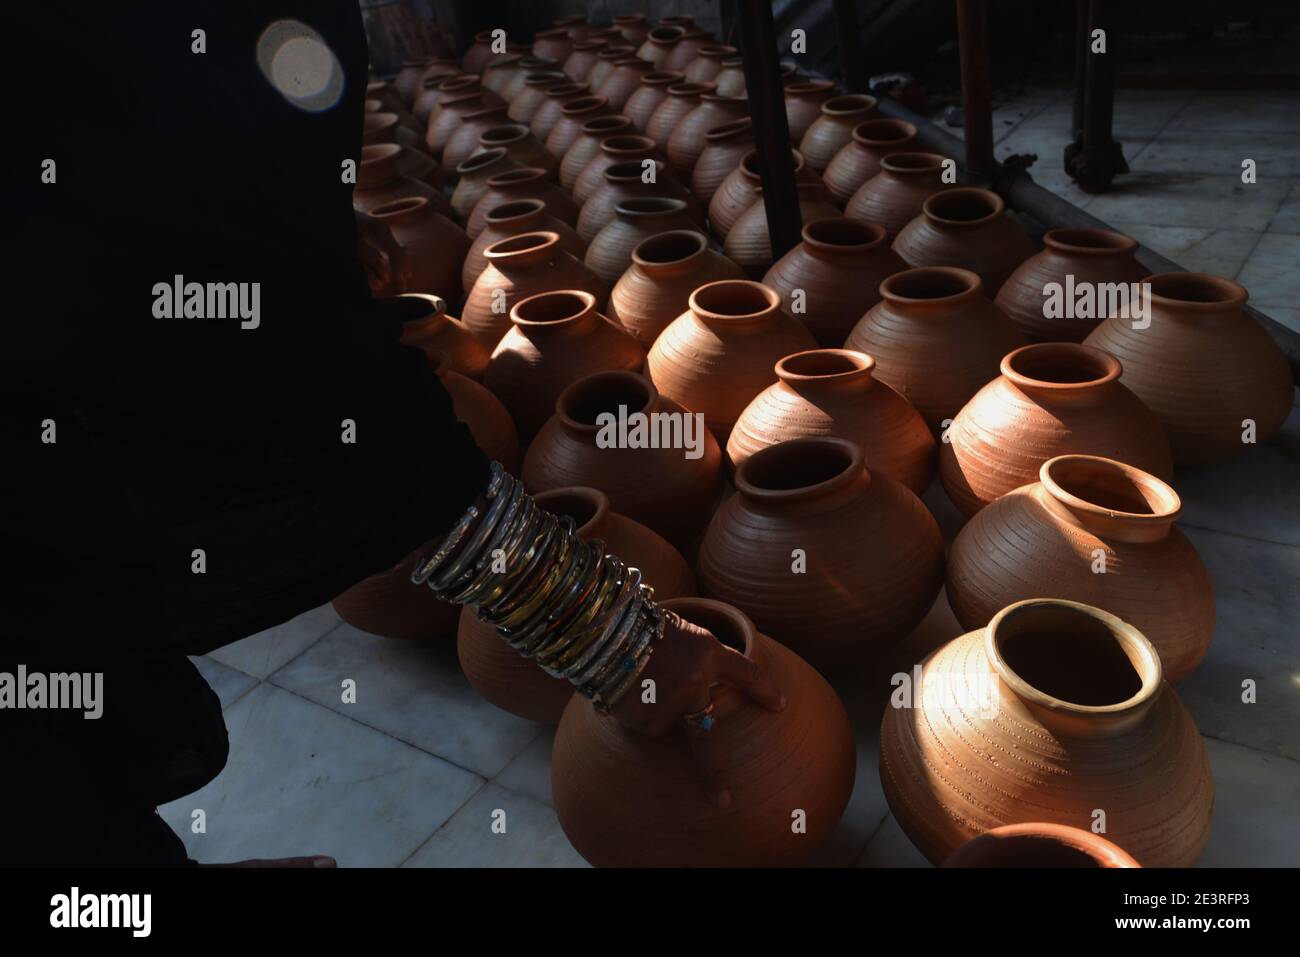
pixel 976 85
pixel 1094 158
pixel 853 67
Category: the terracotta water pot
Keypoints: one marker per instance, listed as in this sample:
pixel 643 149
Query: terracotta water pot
pixel 380 180
pixel 587 145
pixel 624 181
pixel 655 289
pixel 708 62
pixel 671 490
pixel 605 61
pixel 730 80
pixel 833 129
pixel 521 146
pixel 513 219
pixel 724 147
pixel 624 80
pixel 1039 845
pixel 659 43
pixel 555 339
pixel 936 338
pixel 803 105
pixel 871 553
pixel 430 92
pixel 742 187
pixel 859 159
pixel 1074 259
pixel 575 25
pixel 833 276
pixel 480 53
pixel 832 392
pixel 680 100
pixel 686 141
pixel 529 66
pixel 414 162
pixel 433 244
pixel 619 148
pixel 500 74
pixel 895 195
pixel 718 354
pixel 439 336
pixel 382 97
pixel 968 228
pixel 548 114
pixel 573 115
pixel 748 242
pixel 533 95
pixel 632 27
pixel 517 184
pixel 1052 398
pixel 1052 712
pixel 610 253
pixel 519 267
pixel 448 116
pixel 687 50
pixel 464 142
pixel 472 179
pixel 1093 530
pixel 630 800
pixel 578 64
pixel 1204 367
pixel 553 43
pixel 407 80
pixel 515 683
pixel 653 90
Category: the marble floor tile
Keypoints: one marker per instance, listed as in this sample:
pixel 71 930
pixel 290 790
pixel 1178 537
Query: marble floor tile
pixel 1289 317
pixel 1190 199
pixel 1228 112
pixel 1220 252
pixel 229 684
pixel 1276 155
pixel 303 780
pixel 1138 113
pixel 1272 271
pixel 1256 816
pixel 1287 217
pixel 261 654
pixel 530 771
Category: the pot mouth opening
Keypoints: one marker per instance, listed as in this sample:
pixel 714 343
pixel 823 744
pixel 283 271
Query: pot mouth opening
pixel 479 160
pixel 733 299
pixel 567 89
pixel 1089 241
pixel 422 305
pixel 628 170
pixel 884 132
pixel 552 308
pixel 434 81
pixel 615 52
pixel 726 623
pixel 934 284
pixel 1100 486
pixel 662 78
pixel 582 403
pixel 610 123
pixel 627 143
pixel 839 233
pixel 524 174
pixel 732 128
pixel 823 365
pixel 585 505
pixel 1060 364
pixel 397 207
pixel 798 468
pixel 668 34
pixel 674 246
pixel 583 104
pixel 515 209
pixel 649 206
pixel 713 96
pixel 749 163
pixel 912 162
pixel 691 89
pixel 524 242
pixel 1196 290
pixel 545 78
pixel 965 206
pixel 810 86
pixel 848 104
pixel 506 133
pixel 1041 850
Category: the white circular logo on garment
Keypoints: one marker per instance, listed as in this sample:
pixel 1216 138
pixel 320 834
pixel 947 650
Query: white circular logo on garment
pixel 297 61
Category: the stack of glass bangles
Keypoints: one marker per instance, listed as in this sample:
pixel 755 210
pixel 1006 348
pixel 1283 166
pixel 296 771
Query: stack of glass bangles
pixel 583 614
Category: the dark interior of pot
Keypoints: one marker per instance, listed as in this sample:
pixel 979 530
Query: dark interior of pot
pixel 912 161
pixel 1192 287
pixel 1108 485
pixel 601 393
pixel 796 465
pixel 552 307
pixel 1068 655
pixel 1060 363
pixel 1025 850
pixel 926 284
pixel 1089 238
pixel 580 505
pixel 732 298
pixel 518 207
pixel 671 247
pixel 823 362
pixel 842 231
pixel 720 622
pixel 960 206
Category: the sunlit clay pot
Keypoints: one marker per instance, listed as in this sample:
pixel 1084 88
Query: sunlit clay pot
pixel 515 218
pixel 970 229
pixel 548 114
pixel 859 159
pixel 613 150
pixel 803 104
pixel 1051 398
pixel 742 188
pixel 833 129
pixel 573 115
pixel 652 91
pixel 530 182
pixel 1052 713
pixel 587 145
pixel 1213 377
pixel 630 800
pixel 522 147
pixel 833 277
pixel 610 252
pixel 832 392
pixel 895 195
pixel 935 338
pixel 687 140
pixel 1092 530
pixel 671 487
pixel 433 244
pixel 680 100
pixel 685 53
pixel 555 339
pixel 473 175
pixel 515 683
pixel 415 162
pixel 837 562
pixel 439 336
pixel 1039 845
pixel 748 242
pixel 724 147
pixel 718 354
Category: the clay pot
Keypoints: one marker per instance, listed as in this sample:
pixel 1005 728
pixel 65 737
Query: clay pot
pixel 522 147
pixel 1073 259
pixel 1051 537
pixel 859 159
pixel 480 53
pixel 414 162
pixel 625 181
pixel 730 80
pixel 687 50
pixel 671 490
pixel 439 336
pixel 548 114
pixel 528 67
pixel 533 95
pixel 748 242
pixel 618 148
pixel 968 228
pixel 587 145
pixel 610 253
pixel 895 195
pixel 1053 711
pixel 803 105
pixel 686 141
pixel 659 43
pixel 833 392
pixel 680 100
pixel 741 189
pixel 936 339
pixel 656 288
pixel 472 179
pixel 1202 366
pixel 464 142
pixel 407 80
pixel 605 61
pixel 724 147
pixel 708 62
pixel 517 184
pixel 554 44
pixel 500 74
pixel 873 552
pixel 833 129
pixel 653 90
pixel 630 800
pixel 519 267
pixel 433 244
pixel 624 80
pixel 1039 845
pixel 838 268
pixel 718 354
pixel 632 27
pixel 430 92
pixel 575 26
pixel 555 339
pixel 448 116
pixel 380 180
pixel 572 117
pixel 579 63
pixel 515 683
pixel 513 219
pixel 1051 398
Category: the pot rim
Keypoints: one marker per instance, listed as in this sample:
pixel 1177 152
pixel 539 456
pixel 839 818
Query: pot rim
pixel 664 238
pixel 665 34
pixel 862 132
pixel 712 289
pixel 402 206
pixel 594 498
pixel 655 206
pixel 1115 243
pixel 1108 369
pixel 912 163
pixel 632 143
pixel 1094 847
pixel 851 454
pixel 662 78
pixel 615 122
pixel 492 154
pixel 688 88
pixel 859 364
pixel 1165 503
pixel 520 174
pixel 1228 293
pixel 567 89
pixel 729 129
pixel 846 104
pixel 584 304
pixel 511 246
pixel 584 103
pixel 933 204
pixel 526 206
pixel 810 86
pixel 593 383
pixel 717 609
pixel 505 133
pixel 971 284
pixel 874 232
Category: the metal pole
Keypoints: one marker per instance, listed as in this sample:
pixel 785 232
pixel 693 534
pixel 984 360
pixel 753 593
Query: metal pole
pixel 976 84
pixel 853 68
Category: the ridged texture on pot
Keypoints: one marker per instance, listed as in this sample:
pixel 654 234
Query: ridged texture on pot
pixel 380 180
pixel 604 64
pixel 513 219
pixel 473 175
pixel 437 334
pixel 748 243
pixel 573 115
pixel 682 98
pixel 624 80
pixel 632 27
pixel 1040 845
pixel 686 141
pixel 833 128
pixel 718 354
pixel 730 80
pixel 683 54
pixel 578 64
pixel 434 246
pixel 859 159
pixel 741 188
pixel 548 114
pixel 656 288
pixel 658 43
pixel 872 553
pixel 610 253
pixel 832 392
pixel 959 765
pixel 554 43
pixel 708 62
pixel 448 117
pixel 1202 366
pixel 623 181
pixel 1050 537
pixel 803 104
pixel 515 683
pixel 620 148
pixel 523 106
pixel 587 145
pixel 522 146
pixel 935 338
pixel 432 90
pixel 464 142
pixel 652 91
pixel 407 80
pixel 515 184
pixel 724 147
pixel 658 487
pixel 895 195
pixel 555 339
pixel 625 799
pixel 970 229
pixel 838 267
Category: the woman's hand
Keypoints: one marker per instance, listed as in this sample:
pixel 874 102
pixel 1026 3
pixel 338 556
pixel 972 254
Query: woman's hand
pixel 685 664
pixel 381 257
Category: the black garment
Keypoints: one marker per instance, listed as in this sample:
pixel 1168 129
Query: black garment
pixel 178 434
